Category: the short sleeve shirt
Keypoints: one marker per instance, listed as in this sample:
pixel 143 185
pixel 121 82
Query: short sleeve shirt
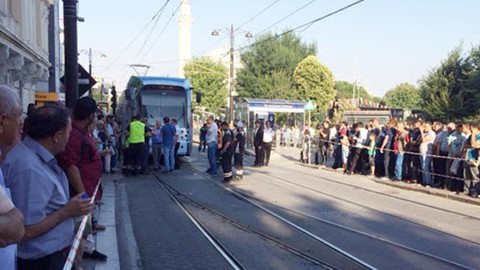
pixel 7 254
pixel 38 190
pixel 212 135
pixel 168 135
pixel 81 151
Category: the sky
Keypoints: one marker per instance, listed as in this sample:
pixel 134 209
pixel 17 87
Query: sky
pixel 379 43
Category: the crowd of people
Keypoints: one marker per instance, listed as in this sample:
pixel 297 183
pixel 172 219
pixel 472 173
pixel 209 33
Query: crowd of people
pixel 434 155
pixel 48 176
pixel 223 144
pixel 139 140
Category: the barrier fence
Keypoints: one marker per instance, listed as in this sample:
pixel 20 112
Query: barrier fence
pixel 78 237
pixel 419 155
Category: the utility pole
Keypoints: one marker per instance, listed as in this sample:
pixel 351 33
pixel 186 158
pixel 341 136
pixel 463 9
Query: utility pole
pixel 90 68
pixel 232 79
pixel 71 51
pixel 231 89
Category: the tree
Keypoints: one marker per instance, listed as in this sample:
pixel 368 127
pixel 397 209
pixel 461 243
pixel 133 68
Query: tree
pixel 269 64
pixel 314 82
pixel 450 92
pixel 404 96
pixel 208 78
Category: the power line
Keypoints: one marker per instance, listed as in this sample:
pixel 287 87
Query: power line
pixel 305 25
pixel 243 24
pixel 161 32
pixel 283 19
pixel 286 17
pixel 162 9
pixel 258 14
pixel 133 40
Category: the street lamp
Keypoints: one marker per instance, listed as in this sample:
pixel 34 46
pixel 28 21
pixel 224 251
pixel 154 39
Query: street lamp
pixel 90 55
pixel 231 32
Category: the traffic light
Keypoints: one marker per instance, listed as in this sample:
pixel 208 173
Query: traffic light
pixel 114 99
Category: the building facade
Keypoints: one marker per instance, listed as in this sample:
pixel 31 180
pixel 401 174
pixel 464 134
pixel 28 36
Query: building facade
pixel 24 56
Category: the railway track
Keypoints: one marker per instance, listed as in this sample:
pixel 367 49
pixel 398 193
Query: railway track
pixel 420 255
pixel 185 202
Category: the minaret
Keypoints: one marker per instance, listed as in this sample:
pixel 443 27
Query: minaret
pixel 184 35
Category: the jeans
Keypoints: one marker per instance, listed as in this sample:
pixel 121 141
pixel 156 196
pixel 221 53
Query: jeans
pixel 212 159
pixel 399 166
pixel 157 153
pixel 168 158
pixel 426 163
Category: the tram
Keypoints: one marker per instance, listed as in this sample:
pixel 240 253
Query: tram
pixel 157 97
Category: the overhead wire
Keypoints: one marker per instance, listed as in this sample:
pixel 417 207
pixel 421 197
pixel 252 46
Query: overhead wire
pixel 282 19
pixel 161 32
pixel 243 24
pixel 151 30
pixel 304 26
pixel 133 40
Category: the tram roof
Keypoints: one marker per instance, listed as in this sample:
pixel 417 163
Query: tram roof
pixel 150 80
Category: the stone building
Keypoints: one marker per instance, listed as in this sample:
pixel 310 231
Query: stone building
pixel 24 61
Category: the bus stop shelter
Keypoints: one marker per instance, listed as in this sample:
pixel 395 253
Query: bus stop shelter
pixel 249 110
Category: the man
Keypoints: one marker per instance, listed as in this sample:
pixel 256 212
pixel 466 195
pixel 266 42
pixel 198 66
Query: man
pixel 136 135
pixel 258 144
pixel 400 151
pixel 426 151
pixel 11 219
pixel 456 141
pixel 226 153
pixel 146 146
pixel 82 163
pixel 157 145
pixel 359 138
pixel 40 190
pixel 268 134
pixel 324 142
pixel 387 146
pixel 177 144
pixel 239 150
pixel 168 133
pixel 211 138
pixel 112 134
pixel 438 160
pixel 472 161
pixel 203 138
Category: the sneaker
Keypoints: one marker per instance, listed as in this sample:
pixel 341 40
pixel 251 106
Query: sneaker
pixel 95 255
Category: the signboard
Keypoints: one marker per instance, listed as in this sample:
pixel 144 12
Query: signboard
pixel 85 81
pixel 309 105
pixel 46 96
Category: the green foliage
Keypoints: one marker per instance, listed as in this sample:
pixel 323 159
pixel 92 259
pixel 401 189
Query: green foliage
pixel 268 66
pixel 315 82
pixel 404 96
pixel 344 90
pixel 208 77
pixel 450 92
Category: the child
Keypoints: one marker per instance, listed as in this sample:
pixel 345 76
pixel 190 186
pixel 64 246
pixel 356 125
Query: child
pixel 372 151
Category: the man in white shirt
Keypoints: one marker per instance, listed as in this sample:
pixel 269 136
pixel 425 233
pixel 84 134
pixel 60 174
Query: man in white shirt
pixel 360 138
pixel 212 139
pixel 426 151
pixel 268 134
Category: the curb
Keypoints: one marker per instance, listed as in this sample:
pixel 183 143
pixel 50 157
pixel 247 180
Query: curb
pixel 402 185
pixel 127 245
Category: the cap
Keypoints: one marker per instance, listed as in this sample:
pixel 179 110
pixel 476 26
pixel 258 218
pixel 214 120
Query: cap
pixel 86 104
pixel 239 124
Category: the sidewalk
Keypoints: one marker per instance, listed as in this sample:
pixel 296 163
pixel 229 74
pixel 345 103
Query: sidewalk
pixel 293 154
pixel 106 241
